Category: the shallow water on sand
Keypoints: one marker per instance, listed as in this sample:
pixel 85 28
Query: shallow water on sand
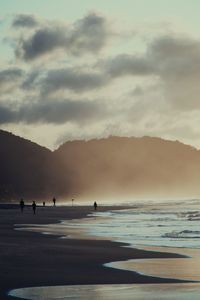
pixel 184 268
pixel 114 292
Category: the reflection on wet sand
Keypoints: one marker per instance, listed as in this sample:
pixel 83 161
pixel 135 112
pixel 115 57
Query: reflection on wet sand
pixel 179 268
pixel 115 292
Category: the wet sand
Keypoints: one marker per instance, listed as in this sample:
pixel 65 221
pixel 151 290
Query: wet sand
pixel 186 268
pixel 29 259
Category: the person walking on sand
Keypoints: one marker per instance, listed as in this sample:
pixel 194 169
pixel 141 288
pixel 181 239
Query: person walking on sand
pixel 95 205
pixel 34 207
pixel 21 205
pixel 54 201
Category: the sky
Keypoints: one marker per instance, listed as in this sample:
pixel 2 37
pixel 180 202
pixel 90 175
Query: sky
pixel 91 69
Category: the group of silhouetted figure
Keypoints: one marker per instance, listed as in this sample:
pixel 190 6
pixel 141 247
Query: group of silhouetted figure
pixel 34 205
pixel 22 204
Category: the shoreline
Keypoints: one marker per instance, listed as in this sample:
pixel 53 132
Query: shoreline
pixel 29 259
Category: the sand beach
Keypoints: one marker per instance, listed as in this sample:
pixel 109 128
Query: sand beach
pixel 31 259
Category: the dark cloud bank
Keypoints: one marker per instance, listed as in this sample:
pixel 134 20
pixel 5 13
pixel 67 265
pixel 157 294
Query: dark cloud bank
pixel 57 112
pixel 88 35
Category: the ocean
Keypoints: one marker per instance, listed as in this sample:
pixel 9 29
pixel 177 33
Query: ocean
pixel 171 224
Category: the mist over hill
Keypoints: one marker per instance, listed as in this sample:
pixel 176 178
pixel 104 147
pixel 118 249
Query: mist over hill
pixel 123 166
pixel 112 167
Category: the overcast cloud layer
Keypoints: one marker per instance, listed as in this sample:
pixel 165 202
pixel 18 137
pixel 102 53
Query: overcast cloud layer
pixel 75 76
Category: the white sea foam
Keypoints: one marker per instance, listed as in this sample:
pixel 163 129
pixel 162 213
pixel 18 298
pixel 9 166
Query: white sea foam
pixel 151 225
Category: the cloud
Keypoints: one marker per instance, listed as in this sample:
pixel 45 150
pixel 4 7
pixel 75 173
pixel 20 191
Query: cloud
pixel 31 80
pixel 175 55
pixel 173 61
pixel 88 35
pixel 125 64
pixel 165 56
pixel 43 41
pixel 144 91
pixel 10 75
pixel 54 111
pixel 177 61
pixel 9 78
pixel 72 79
pixel 25 20
pixel 7 115
pixel 51 81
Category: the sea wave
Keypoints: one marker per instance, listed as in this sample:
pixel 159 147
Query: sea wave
pixel 186 234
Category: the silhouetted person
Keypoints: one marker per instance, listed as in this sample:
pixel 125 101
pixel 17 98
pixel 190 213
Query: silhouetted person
pixel 95 205
pixel 43 203
pixel 34 207
pixel 54 201
pixel 21 205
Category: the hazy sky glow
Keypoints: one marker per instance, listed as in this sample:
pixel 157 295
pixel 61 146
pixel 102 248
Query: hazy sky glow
pixel 85 69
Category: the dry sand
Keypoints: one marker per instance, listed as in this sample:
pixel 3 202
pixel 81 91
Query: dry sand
pixel 32 259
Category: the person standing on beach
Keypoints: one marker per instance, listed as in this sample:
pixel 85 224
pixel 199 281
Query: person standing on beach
pixel 34 207
pixel 54 201
pixel 95 205
pixel 21 205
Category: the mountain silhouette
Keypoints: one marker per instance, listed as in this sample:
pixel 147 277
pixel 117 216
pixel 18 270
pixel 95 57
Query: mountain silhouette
pixel 26 168
pixel 110 167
